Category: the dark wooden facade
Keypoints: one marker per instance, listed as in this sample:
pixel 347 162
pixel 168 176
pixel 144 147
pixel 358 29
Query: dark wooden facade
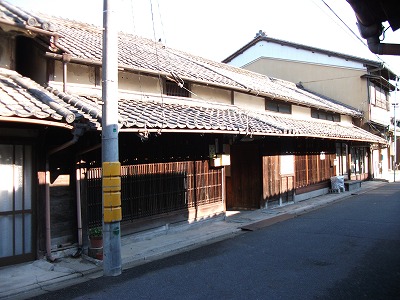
pixel 269 172
pixel 158 193
pixel 168 179
pixel 246 177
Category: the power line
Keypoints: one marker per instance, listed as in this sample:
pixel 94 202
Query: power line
pixel 344 23
pixel 329 79
pixel 348 28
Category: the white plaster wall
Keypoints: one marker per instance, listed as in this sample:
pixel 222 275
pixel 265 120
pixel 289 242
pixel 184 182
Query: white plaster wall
pixel 211 94
pixel 379 115
pixel 76 73
pixel 346 119
pixel 385 163
pixel 139 83
pixel 249 102
pixel 380 159
pixel 375 163
pixel 301 112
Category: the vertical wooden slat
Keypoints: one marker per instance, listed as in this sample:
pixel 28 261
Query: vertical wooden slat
pixel 150 189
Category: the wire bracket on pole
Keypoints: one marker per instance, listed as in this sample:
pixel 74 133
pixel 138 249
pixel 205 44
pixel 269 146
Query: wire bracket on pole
pixel 112 192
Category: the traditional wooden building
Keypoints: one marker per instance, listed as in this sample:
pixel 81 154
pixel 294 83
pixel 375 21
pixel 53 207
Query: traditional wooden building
pixel 196 137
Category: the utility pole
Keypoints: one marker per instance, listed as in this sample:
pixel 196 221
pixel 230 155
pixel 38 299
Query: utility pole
pixel 394 132
pixel 111 174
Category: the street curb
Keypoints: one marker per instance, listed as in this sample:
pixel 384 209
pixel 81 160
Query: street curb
pixel 40 288
pixel 231 229
pixel 193 244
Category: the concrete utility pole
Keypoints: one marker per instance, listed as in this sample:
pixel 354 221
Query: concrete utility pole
pixel 112 214
pixel 394 132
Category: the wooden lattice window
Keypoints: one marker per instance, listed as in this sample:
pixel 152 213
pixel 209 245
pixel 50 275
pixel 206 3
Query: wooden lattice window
pixel 172 88
pixel 381 99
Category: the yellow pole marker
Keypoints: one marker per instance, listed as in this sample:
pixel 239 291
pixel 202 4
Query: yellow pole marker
pixel 112 192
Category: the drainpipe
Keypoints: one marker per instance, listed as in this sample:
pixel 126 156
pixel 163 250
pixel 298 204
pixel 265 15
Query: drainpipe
pixel 66 58
pixel 65 145
pixel 79 201
pixel 375 46
pixel 77 132
pixel 78 210
pixel 47 208
pixel 371 31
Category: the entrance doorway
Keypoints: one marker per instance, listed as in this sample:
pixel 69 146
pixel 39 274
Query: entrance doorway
pixel 15 204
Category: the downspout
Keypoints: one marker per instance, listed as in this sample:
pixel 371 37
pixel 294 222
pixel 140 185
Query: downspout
pixel 79 201
pixel 77 133
pixel 65 145
pixel 375 46
pixel 47 208
pixel 371 171
pixel 371 31
pixel 79 211
pixel 66 58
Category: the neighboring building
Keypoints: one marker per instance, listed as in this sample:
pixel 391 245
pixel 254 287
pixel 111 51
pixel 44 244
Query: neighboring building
pixel 361 83
pixel 196 137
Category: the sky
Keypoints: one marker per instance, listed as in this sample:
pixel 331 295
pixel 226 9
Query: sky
pixel 215 29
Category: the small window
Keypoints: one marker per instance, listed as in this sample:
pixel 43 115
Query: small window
pixel 325 115
pixel 336 118
pixel 278 106
pixel 173 89
pixel 379 97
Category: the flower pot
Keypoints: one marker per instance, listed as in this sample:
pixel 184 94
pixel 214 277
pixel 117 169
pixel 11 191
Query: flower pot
pixel 96 242
pixel 96 253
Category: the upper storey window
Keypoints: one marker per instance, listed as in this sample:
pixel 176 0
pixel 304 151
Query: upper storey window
pixel 278 106
pixel 171 88
pixel 325 115
pixel 379 97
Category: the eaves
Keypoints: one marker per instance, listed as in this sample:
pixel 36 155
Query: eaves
pixel 379 80
pixel 304 47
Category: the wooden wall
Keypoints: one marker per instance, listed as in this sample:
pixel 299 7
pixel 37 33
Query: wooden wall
pixel 246 177
pixel 268 172
pixel 311 169
pixel 158 193
pixel 271 180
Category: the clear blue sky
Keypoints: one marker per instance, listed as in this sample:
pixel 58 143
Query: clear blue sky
pixel 216 28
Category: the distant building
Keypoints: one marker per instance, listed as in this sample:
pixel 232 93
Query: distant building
pixel 361 83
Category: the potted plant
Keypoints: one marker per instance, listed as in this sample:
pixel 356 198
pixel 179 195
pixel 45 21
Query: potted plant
pixel 96 237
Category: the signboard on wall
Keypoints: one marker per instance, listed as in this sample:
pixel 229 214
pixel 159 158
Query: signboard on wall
pixel 287 164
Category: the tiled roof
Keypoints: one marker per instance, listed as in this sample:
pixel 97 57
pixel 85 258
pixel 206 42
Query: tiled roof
pixel 84 41
pixel 150 113
pixel 23 98
pixel 154 114
pixel 320 128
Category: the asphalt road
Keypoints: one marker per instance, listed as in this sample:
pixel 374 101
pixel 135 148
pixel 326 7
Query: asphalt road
pixel 348 250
